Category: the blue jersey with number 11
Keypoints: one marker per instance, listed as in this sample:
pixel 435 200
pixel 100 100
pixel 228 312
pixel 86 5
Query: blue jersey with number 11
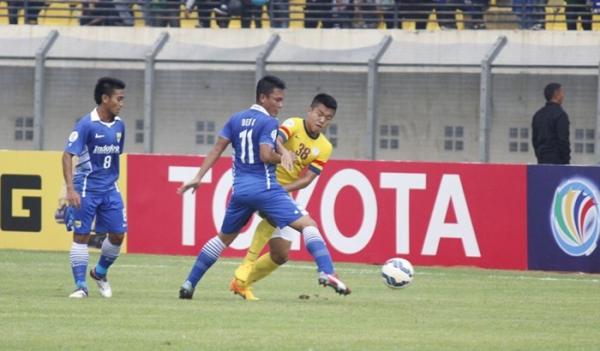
pixel 98 145
pixel 247 130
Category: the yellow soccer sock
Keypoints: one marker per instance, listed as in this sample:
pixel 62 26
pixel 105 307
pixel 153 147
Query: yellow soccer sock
pixel 263 267
pixel 263 233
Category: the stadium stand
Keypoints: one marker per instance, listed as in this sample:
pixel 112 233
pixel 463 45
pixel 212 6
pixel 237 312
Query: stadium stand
pixel 441 14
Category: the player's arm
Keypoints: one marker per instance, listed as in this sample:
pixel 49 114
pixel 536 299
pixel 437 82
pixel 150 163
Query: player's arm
pixel 210 159
pixel 72 197
pixel 301 182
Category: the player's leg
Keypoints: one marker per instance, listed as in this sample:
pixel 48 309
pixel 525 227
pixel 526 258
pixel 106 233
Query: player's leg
pixel 262 234
pixel 283 211
pixel 236 216
pixel 314 243
pixel 79 254
pixel 279 248
pixel 111 217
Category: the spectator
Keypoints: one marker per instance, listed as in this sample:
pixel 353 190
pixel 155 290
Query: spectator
pixel 316 11
pixel 366 14
pixel 13 11
pixel 475 10
pixel 99 13
pixel 391 16
pixel 279 13
pixel 204 8
pixel 550 125
pixel 252 11
pixel 575 9
pixel 530 13
pixel 165 13
pixel 445 11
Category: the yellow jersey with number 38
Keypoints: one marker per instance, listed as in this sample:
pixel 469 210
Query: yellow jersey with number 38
pixel 310 152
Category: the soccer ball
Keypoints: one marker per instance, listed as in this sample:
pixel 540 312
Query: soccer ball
pixel 397 273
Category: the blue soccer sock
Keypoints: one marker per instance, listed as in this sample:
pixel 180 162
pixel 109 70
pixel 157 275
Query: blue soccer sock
pixel 316 247
pixel 206 258
pixel 79 261
pixel 108 255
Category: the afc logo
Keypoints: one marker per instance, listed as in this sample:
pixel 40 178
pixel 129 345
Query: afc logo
pixel 19 211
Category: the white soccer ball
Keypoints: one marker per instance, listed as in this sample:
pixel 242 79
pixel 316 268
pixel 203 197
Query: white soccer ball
pixel 397 273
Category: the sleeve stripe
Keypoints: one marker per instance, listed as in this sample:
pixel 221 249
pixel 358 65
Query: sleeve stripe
pixel 283 136
pixel 287 132
pixel 320 163
pixel 314 169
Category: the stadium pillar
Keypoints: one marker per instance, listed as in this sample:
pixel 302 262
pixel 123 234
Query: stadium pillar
pixel 372 84
pixel 485 98
pixel 150 59
pixel 39 89
pixel 597 146
pixel 263 55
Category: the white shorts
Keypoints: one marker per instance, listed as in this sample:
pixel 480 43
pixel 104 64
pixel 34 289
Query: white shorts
pixel 287 233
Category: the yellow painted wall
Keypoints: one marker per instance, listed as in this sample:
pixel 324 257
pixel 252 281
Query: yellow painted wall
pixel 47 165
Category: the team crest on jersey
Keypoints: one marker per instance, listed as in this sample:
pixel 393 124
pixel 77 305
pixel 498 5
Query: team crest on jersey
pixel 274 135
pixel 74 135
pixel 315 151
pixel 288 123
pixel 119 137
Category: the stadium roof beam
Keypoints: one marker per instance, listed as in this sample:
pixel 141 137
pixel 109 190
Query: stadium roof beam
pixel 150 59
pixel 39 88
pixel 485 98
pixel 263 55
pixel 372 85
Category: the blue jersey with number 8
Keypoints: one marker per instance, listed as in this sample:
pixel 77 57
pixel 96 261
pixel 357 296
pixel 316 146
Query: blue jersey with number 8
pixel 98 145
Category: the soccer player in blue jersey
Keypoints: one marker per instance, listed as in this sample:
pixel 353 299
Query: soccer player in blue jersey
pixel 253 135
pixel 97 141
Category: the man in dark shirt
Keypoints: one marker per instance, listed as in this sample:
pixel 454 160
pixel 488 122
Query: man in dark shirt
pixel 550 126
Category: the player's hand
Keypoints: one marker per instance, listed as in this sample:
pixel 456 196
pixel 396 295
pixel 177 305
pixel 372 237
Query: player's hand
pixel 73 198
pixel 192 184
pixel 287 159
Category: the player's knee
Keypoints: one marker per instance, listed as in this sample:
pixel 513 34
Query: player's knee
pixel 279 257
pixel 81 238
pixel 116 239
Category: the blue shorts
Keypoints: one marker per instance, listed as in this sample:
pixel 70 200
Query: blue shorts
pixel 275 204
pixel 108 210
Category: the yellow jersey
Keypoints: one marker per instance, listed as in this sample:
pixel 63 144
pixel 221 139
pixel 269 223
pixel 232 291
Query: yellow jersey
pixel 310 152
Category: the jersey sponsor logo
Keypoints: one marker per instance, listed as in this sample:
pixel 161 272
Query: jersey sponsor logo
pixel 98 136
pixel 27 217
pixel 274 135
pixel 106 149
pixel 73 136
pixel 575 217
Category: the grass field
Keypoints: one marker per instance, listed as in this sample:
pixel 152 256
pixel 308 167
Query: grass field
pixel 444 309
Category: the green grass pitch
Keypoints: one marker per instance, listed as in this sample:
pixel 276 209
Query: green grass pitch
pixel 444 309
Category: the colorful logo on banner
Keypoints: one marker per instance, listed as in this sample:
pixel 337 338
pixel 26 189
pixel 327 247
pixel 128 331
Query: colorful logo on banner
pixel 575 217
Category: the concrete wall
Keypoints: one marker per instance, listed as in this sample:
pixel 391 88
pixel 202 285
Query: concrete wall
pixel 425 113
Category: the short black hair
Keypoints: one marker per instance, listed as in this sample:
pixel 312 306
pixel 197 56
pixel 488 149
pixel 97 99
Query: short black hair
pixel 550 90
pixel 324 99
pixel 106 86
pixel 267 84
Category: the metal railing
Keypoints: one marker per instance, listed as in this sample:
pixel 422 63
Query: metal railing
pixel 308 14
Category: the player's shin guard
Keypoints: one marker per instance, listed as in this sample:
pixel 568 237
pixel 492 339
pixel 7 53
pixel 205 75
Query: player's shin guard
pixel 206 258
pixel 316 247
pixel 108 255
pixel 79 260
pixel 263 233
pixel 264 266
